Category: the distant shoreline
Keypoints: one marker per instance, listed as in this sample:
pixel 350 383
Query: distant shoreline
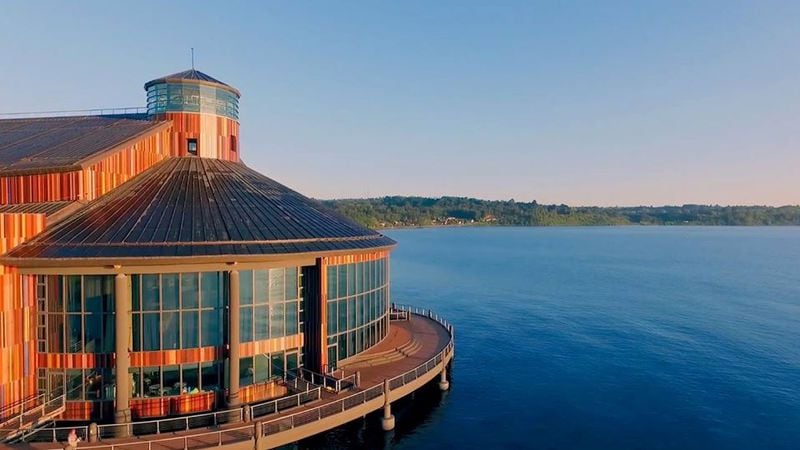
pixel 413 212
pixel 630 225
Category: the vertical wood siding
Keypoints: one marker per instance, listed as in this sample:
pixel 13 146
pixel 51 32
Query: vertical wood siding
pixel 17 313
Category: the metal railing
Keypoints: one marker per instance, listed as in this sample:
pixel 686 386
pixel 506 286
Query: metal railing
pixel 284 403
pixel 197 440
pixel 29 413
pixel 329 381
pixel 320 412
pixel 399 315
pixel 175 424
pixel 248 432
pixel 75 112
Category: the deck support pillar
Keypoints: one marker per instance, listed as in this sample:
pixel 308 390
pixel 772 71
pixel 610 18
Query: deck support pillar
pixel 122 357
pixel 443 383
pixel 387 421
pixel 233 338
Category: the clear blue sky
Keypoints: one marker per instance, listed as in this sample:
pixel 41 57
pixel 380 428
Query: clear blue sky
pixel 584 103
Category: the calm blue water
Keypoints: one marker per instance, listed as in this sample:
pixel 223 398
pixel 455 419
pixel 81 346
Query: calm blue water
pixel 603 338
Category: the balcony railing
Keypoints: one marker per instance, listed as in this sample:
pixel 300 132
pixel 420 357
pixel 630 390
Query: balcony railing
pixel 269 427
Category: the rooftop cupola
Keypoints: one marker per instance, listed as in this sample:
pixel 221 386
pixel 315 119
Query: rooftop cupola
pixel 204 112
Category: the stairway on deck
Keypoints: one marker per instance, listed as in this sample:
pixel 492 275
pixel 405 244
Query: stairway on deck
pixel 405 350
pixel 29 421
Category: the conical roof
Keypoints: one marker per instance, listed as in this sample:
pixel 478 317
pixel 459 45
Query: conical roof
pixel 192 76
pixel 191 207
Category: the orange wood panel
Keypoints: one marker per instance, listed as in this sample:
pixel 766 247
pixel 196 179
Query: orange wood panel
pixel 171 357
pixel 18 361
pixel 353 258
pixel 119 167
pixel 217 137
pixel 271 345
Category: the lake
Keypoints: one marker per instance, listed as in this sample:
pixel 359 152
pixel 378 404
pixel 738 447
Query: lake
pixel 602 338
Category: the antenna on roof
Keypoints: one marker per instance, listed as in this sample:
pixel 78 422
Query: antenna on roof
pixel 192 58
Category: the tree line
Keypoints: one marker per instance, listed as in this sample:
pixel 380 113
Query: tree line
pixel 400 211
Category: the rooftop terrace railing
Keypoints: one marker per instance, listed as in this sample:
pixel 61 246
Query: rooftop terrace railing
pixel 75 112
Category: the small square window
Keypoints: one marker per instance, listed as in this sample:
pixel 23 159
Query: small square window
pixel 192 146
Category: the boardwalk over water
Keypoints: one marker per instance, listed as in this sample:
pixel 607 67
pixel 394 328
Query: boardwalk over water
pixel 414 352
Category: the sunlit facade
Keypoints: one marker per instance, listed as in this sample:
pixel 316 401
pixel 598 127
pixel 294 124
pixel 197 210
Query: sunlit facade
pixel 153 274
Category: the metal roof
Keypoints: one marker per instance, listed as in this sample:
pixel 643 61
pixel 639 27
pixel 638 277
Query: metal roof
pixel 58 144
pixel 192 76
pixel 188 207
pixel 46 208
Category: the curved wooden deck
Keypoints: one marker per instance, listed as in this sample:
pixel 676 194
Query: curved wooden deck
pixel 432 354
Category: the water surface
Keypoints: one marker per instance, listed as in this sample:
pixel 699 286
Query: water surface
pixel 603 338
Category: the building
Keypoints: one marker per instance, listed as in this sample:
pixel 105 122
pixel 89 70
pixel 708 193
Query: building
pixel 147 272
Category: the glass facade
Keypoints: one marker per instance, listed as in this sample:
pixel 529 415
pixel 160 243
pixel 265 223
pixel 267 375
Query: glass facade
pixel 190 97
pixel 177 311
pixel 171 312
pixel 80 314
pixel 272 307
pixel 358 306
pixel 177 379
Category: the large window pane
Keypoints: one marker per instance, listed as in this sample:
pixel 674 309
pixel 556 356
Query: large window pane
pixel 246 287
pixel 150 293
pixel 291 318
pixel 246 371
pixel 341 284
pixel 291 283
pixel 74 293
pixel 331 282
pixel 212 328
pixel 276 285
pixel 151 331
pixel 261 321
pixel 190 337
pixel 332 318
pixel 74 384
pixel 189 290
pixel 278 367
pixel 211 286
pixel 261 293
pixel 170 289
pixel 136 325
pixel 211 373
pixel 74 333
pixel 342 315
pixel 94 333
pixel 351 279
pixel 151 381
pixel 246 324
pixel 190 374
pixel 261 370
pixel 171 380
pixel 276 324
pixel 170 331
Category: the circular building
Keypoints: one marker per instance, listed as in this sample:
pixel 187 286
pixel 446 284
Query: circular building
pixel 200 283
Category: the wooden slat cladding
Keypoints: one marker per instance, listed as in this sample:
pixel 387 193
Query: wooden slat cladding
pixel 353 258
pixel 45 187
pixel 93 181
pixel 217 137
pixel 105 175
pixel 170 357
pixel 271 345
pixel 17 312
